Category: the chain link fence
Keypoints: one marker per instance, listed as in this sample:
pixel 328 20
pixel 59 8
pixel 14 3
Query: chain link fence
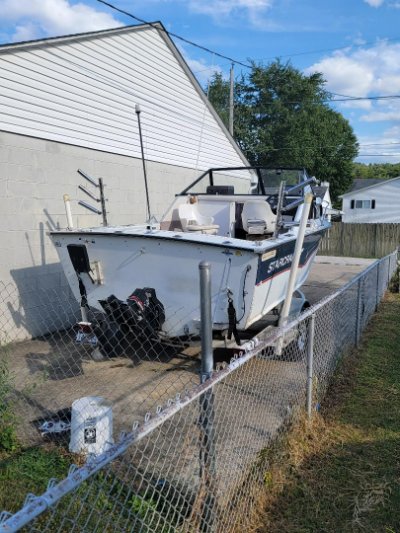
pixel 190 456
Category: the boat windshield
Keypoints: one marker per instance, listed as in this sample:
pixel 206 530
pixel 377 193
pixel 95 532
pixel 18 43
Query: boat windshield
pixel 272 177
pixel 245 180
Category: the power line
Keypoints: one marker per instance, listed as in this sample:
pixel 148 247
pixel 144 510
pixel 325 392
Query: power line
pixel 380 144
pixel 343 95
pixel 324 148
pixel 344 98
pixel 245 65
pixel 358 98
pixel 183 39
pixel 330 100
pixel 322 51
pixel 231 60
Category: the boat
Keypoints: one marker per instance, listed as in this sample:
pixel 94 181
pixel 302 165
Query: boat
pixel 146 277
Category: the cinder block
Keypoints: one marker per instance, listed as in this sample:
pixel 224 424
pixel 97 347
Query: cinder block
pixel 22 141
pixel 3 153
pixel 10 206
pixel 20 189
pixel 22 156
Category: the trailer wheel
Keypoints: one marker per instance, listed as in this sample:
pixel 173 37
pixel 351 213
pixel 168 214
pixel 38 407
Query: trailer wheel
pixel 301 341
pixel 297 349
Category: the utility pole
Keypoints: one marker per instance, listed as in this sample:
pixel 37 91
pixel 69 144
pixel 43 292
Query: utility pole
pixel 231 101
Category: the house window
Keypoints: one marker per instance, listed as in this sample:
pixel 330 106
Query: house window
pixel 363 204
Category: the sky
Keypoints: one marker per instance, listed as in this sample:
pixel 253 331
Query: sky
pixel 355 44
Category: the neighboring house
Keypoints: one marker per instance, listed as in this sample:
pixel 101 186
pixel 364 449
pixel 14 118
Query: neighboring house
pixel 322 191
pixel 372 201
pixel 69 103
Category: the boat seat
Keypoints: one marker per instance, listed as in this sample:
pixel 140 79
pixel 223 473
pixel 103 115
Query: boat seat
pixel 194 222
pixel 258 218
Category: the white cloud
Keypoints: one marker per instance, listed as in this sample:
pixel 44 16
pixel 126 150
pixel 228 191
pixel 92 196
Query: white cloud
pixel 355 104
pixel 202 70
pixel 364 72
pixel 53 17
pixel 25 32
pixel 219 9
pixel 226 7
pixel 379 3
pixel 392 134
pixel 383 111
pixel 382 148
pixel 374 3
pixel 345 74
pixel 358 39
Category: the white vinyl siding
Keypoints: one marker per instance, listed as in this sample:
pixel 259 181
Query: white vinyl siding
pixel 376 204
pixel 83 92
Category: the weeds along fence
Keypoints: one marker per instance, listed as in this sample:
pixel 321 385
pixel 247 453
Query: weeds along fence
pixel 164 450
pixel 360 240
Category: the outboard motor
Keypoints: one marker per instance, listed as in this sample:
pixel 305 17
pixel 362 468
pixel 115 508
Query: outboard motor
pixel 141 316
pixel 147 308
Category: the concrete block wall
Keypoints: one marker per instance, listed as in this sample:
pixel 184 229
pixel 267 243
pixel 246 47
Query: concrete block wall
pixel 34 176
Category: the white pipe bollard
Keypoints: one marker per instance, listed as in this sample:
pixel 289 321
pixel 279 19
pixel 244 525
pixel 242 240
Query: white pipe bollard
pixel 295 267
pixel 207 355
pixel 67 203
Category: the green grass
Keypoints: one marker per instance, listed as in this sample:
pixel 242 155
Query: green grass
pixel 103 503
pixel 29 471
pixel 8 419
pixel 341 472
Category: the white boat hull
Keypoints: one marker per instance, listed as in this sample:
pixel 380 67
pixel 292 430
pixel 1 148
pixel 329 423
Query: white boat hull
pixel 255 277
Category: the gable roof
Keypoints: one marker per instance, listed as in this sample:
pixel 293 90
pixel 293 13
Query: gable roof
pixel 62 49
pixel 363 184
pixel 359 184
pixel 48 41
pixel 320 190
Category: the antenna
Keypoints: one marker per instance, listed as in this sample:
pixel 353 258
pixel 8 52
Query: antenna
pixel 138 111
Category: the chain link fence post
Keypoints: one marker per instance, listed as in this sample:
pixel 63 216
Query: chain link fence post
pixel 397 265
pixel 377 284
pixel 310 358
pixel 389 267
pixel 358 314
pixel 206 418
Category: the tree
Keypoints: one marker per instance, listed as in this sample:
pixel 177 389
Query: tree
pixel 376 170
pixel 283 118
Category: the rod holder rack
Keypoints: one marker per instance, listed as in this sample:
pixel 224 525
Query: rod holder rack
pixel 99 185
